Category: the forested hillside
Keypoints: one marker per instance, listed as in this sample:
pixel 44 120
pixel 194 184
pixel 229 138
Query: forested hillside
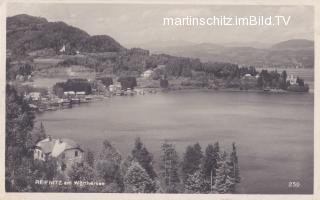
pixel 27 33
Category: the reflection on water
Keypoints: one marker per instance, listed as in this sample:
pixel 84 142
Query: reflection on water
pixel 274 132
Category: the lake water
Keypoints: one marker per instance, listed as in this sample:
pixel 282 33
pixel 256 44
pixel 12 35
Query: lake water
pixel 273 132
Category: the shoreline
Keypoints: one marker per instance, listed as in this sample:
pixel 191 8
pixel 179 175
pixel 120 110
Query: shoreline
pixel 154 91
pixel 237 90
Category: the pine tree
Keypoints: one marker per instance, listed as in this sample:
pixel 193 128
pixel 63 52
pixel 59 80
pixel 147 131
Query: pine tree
pixel 137 179
pixel 210 165
pixel 224 183
pixel 110 153
pixel 143 157
pixel 283 84
pixel 83 172
pixel 210 161
pixel 195 183
pixel 42 132
pixel 108 167
pixel 169 168
pixel 216 147
pixel 110 172
pixel 191 160
pixel 235 172
pixel 126 163
pixel 19 124
pixel 38 133
pixel 23 178
pixel 230 184
pixel 219 185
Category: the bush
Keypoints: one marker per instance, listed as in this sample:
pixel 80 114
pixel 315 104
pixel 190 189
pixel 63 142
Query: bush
pixel 128 82
pixel 106 81
pixel 76 85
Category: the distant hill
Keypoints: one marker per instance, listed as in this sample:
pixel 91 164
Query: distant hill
pixel 295 44
pixel 161 44
pixel 254 44
pixel 290 53
pixel 27 33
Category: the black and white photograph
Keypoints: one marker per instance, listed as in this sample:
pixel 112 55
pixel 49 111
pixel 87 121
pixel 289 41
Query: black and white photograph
pixel 159 98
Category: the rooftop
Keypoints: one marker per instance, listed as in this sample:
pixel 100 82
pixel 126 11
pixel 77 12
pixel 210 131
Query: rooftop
pixel 57 146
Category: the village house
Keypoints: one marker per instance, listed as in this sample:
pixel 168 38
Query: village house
pixel 115 87
pixel 147 74
pixel 81 94
pixel 66 151
pixel 34 96
pixel 112 88
pixel 292 80
pixel 69 94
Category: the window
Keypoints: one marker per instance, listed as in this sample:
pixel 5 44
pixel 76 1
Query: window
pixel 76 153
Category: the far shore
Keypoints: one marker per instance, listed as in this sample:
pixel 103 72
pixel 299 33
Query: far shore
pixel 229 90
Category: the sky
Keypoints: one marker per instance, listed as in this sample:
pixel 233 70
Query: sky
pixel 132 24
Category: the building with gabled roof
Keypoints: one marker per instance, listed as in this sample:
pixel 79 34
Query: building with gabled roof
pixel 67 152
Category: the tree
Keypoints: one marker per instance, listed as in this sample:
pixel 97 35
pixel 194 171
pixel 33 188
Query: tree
pixel 235 172
pixel 108 167
pixel 127 82
pixel 195 183
pixel 57 187
pixel 169 168
pixel 106 81
pixel 19 124
pixel 42 131
pixel 137 180
pixel 264 79
pixel 192 160
pixel 108 152
pixel 143 157
pixel 43 170
pixel 75 84
pixel 126 163
pixel 224 183
pixel 39 133
pixel 283 84
pixel 110 172
pixel 22 179
pixel 83 172
pixel 216 147
pixel 210 161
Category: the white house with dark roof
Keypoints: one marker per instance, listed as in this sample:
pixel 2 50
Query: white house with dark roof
pixel 66 151
pixel 292 79
pixel 147 74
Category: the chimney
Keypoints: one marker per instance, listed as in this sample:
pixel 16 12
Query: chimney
pixel 49 137
pixel 60 140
